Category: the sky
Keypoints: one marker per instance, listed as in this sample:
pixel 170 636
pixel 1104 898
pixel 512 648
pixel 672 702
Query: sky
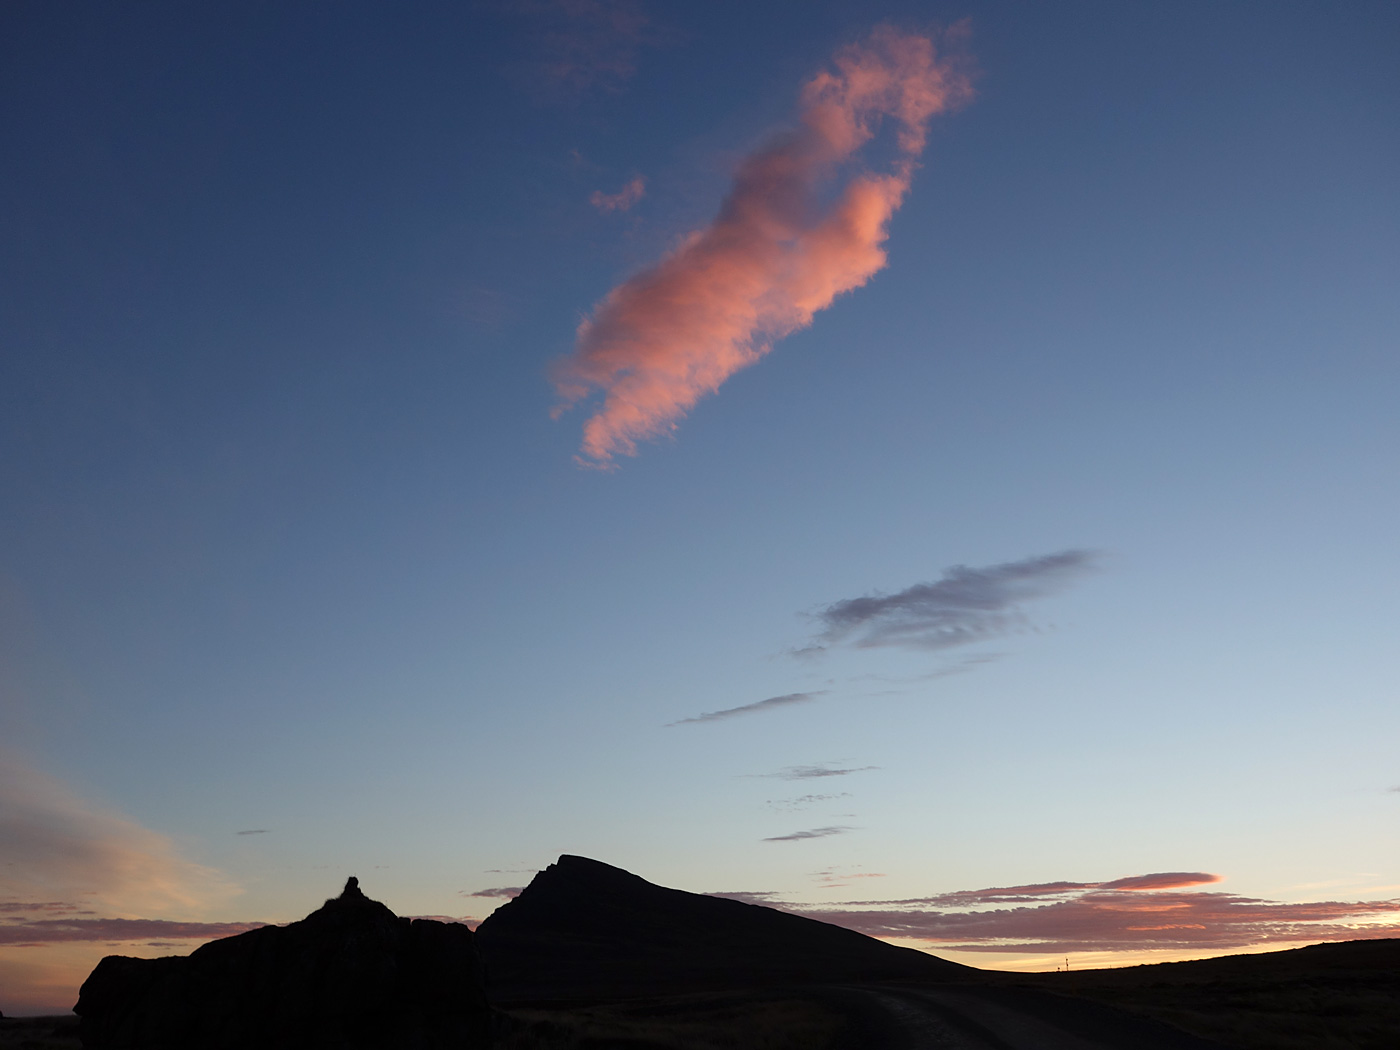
pixel 930 466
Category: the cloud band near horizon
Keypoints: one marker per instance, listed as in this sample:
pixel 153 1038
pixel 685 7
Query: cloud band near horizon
pixel 1159 911
pixel 774 256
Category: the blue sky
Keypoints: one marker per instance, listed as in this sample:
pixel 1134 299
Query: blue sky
pixel 292 545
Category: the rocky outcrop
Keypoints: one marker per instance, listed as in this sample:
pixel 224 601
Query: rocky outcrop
pixel 587 929
pixel 350 976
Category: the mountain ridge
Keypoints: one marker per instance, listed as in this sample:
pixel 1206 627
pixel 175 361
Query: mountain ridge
pixel 583 928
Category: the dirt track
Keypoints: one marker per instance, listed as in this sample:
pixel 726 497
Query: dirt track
pixel 957 1018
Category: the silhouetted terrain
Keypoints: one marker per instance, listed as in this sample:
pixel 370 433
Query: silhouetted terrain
pixel 39 1033
pixel 1344 995
pixel 350 975
pixel 584 929
pixel 591 957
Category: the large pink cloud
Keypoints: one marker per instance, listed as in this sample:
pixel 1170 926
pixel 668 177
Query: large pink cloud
pixel 782 248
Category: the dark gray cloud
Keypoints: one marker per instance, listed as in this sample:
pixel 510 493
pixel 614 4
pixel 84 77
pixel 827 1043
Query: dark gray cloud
pixel 254 831
pixel 758 705
pixel 52 907
pixel 813 833
pixel 967 605
pixel 813 772
pixel 764 897
pixel 498 891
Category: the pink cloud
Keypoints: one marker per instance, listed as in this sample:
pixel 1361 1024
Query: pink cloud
pixel 1151 912
pixel 623 199
pixel 1164 880
pixel 775 255
pixel 53 931
pixel 581 45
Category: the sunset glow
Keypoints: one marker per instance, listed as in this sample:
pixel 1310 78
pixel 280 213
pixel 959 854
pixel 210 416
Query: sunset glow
pixel 930 468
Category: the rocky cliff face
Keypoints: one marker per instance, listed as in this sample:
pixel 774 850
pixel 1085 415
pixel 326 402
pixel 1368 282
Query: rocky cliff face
pixel 583 928
pixel 350 975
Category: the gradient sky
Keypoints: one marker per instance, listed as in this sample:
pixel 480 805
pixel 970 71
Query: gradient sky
pixel 933 466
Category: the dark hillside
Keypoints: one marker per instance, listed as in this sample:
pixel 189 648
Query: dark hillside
pixel 1339 996
pixel 584 929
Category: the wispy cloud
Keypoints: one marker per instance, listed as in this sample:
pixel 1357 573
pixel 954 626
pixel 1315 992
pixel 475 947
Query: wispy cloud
pixel 813 772
pixel 834 879
pixel 1156 911
pixel 804 801
pixel 966 605
pixel 1162 880
pixel 812 833
pixel 776 255
pixel 57 845
pixel 75 878
pixel 623 199
pixel 757 705
pixel 764 897
pixel 254 831
pixel 55 931
pixel 32 908
pixel 585 45
pixel 483 307
pixel 498 891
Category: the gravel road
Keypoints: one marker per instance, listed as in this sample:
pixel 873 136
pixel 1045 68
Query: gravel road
pixel 965 1018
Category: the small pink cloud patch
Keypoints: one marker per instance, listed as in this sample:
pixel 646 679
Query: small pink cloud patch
pixel 623 199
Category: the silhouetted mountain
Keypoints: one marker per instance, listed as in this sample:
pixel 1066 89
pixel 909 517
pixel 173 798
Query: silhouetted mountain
pixel 586 929
pixel 350 975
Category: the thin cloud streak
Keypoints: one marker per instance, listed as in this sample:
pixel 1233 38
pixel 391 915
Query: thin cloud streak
pixel 767 898
pixel 812 772
pixel 966 605
pixel 623 199
pixel 498 891
pixel 804 801
pixel 773 258
pixel 746 709
pixel 813 833
pixel 836 879
pixel 54 931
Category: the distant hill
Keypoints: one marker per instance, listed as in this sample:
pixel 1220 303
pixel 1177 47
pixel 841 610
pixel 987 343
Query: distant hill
pixel 1338 995
pixel 1378 957
pixel 584 929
